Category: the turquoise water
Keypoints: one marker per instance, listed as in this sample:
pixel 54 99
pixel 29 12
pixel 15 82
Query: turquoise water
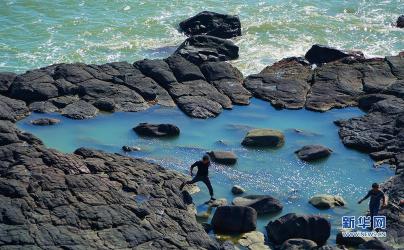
pixel 275 172
pixel 39 33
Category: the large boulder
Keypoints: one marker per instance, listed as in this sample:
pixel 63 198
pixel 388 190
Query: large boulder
pixel 313 152
pixel 325 201
pixel 319 54
pixel 289 226
pixel 6 79
pixel 213 24
pixel 349 241
pixel 156 130
pixel 11 109
pixel 45 121
pixel 234 219
pixel 263 138
pixel 79 110
pixel 223 157
pixel 263 204
pixel 400 21
pixel 201 48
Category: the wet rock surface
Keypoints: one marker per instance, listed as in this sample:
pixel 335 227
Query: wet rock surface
pixel 313 152
pixel 325 201
pixel 157 130
pixel 319 54
pixel 263 204
pixel 45 121
pixel 223 157
pixel 234 219
pixel 263 138
pixel 213 24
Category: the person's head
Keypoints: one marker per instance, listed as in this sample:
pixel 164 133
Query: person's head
pixel 205 159
pixel 375 186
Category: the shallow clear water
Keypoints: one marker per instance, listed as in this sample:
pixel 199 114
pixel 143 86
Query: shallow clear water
pixel 39 33
pixel 276 172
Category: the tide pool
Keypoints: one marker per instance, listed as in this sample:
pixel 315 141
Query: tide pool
pixel 277 172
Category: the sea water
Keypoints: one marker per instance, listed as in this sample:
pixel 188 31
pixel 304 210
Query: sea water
pixel 39 33
pixel 276 172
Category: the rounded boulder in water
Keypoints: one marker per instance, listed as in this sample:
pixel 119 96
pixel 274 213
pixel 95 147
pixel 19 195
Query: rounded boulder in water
pixel 263 138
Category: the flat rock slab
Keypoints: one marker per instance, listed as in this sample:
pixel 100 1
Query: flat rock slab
pixel 45 121
pixel 263 138
pixel 157 130
pixel 325 201
pixel 313 152
pixel 223 157
pixel 234 219
pixel 254 240
pixel 213 24
pixel 263 204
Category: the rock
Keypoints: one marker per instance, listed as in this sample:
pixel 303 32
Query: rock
pixel 236 189
pixel 156 130
pixel 298 244
pixel 213 24
pixel 201 48
pixel 234 219
pixel 319 54
pixel 396 64
pixel 62 101
pixel 105 104
pixel 223 157
pixel 366 102
pixel 284 84
pixel 374 244
pixel 228 245
pixel 289 226
pixel 263 138
pixel 207 227
pixel 43 107
pixel 217 202
pixel 263 204
pixel 253 240
pixel 79 110
pixel 313 152
pixel 183 69
pixel 130 148
pixel 400 21
pixel 45 121
pixel 6 79
pixel 192 189
pixel 325 201
pixel 11 109
pixel 199 106
pixel 349 241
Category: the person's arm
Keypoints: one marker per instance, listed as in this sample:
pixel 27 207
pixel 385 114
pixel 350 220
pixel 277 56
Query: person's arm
pixel 384 200
pixel 364 198
pixel 192 168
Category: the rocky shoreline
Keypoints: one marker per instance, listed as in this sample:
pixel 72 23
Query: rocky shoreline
pixel 100 200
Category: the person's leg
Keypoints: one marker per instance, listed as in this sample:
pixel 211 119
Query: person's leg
pixel 374 211
pixel 194 180
pixel 206 180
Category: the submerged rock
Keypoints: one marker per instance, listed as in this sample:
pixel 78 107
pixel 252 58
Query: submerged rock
pixel 213 24
pixel 319 54
pixel 263 138
pixel 223 157
pixel 263 204
pixel 234 219
pixel 236 189
pixel 290 226
pixel 298 244
pixel 313 152
pixel 325 201
pixel 201 48
pixel 157 130
pixel 45 121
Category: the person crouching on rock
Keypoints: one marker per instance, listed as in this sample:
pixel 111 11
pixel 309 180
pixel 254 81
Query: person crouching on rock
pixel 376 195
pixel 201 175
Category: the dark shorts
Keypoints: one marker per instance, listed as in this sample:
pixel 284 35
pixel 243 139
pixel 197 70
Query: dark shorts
pixel 204 179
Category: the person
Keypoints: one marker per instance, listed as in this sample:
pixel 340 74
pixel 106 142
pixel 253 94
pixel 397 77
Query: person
pixel 201 175
pixel 376 195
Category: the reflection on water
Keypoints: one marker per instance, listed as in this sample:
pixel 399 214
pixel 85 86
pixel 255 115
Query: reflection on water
pixel 276 172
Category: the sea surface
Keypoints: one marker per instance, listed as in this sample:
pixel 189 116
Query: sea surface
pixel 36 33
pixel 276 172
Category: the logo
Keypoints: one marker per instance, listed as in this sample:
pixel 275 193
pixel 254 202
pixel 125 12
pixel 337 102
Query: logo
pixel 363 223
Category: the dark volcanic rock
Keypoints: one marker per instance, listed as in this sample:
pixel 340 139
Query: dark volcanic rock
pixel 349 241
pixel 319 54
pixel 289 226
pixel 43 107
pixel 313 152
pixel 263 138
pixel 263 204
pixel 400 21
pixel 79 110
pixel 86 200
pixel 284 84
pixel 201 48
pixel 45 121
pixel 6 79
pixel 298 244
pixel 130 148
pixel 397 65
pixel 234 219
pixel 156 130
pixel 11 109
pixel 158 70
pixel 183 69
pixel 199 107
pixel 377 74
pixel 213 24
pixel 374 244
pixel 223 157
